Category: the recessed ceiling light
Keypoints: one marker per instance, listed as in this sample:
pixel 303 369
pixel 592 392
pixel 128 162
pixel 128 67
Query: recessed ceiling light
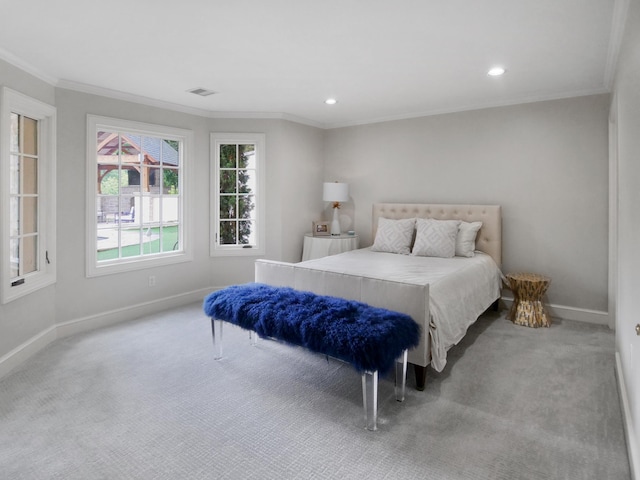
pixel 496 72
pixel 330 101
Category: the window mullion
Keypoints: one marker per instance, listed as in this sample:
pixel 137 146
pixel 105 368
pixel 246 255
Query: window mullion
pixel 20 196
pixel 118 211
pixel 237 195
pixel 39 191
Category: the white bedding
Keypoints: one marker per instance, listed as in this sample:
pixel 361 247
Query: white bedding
pixel 460 288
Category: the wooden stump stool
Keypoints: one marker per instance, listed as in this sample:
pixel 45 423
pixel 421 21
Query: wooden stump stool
pixel 528 290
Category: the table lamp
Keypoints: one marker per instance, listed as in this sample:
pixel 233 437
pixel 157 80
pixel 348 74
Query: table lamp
pixel 335 192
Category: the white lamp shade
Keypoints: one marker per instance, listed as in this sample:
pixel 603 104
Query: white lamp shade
pixel 335 192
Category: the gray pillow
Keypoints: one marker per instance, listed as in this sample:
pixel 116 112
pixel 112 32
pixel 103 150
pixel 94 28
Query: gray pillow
pixel 466 239
pixel 435 238
pixel 394 236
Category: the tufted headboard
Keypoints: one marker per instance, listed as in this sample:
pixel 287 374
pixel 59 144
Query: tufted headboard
pixel 489 239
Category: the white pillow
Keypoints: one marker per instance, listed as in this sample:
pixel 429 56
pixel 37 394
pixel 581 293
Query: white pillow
pixel 435 238
pixel 466 239
pixel 394 236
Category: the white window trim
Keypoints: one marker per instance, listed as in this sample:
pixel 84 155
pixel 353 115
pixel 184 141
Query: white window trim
pixel 13 101
pixel 93 268
pixel 217 250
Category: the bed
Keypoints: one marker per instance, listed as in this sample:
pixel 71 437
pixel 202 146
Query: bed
pixel 443 295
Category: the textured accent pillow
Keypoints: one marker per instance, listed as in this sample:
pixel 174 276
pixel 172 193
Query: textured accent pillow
pixel 435 238
pixel 466 239
pixel 394 236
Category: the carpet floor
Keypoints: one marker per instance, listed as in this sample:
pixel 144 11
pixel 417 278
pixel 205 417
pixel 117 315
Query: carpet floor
pixel 145 400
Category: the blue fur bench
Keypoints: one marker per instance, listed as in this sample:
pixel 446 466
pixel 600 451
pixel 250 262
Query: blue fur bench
pixel 371 339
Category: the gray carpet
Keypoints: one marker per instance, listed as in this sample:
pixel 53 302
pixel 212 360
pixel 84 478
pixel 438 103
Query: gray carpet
pixel 146 400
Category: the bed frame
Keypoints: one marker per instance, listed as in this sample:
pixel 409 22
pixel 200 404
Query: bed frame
pixel 488 240
pixel 382 293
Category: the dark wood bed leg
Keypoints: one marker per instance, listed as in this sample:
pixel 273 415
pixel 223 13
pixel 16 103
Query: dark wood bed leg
pixel 421 376
pixel 495 306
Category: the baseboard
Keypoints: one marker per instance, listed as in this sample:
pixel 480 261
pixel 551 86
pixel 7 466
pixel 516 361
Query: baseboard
pixel 571 313
pixel 111 317
pixel 130 312
pixel 633 447
pixel 32 346
pixel 29 348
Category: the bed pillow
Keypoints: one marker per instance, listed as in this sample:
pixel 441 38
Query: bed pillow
pixel 435 238
pixel 394 236
pixel 466 239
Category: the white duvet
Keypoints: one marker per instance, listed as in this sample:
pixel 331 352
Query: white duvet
pixel 460 288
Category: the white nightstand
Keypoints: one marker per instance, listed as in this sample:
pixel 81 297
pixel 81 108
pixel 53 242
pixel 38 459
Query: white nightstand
pixel 325 245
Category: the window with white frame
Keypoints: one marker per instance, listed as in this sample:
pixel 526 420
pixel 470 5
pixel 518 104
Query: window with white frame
pixel 28 175
pixel 237 195
pixel 137 195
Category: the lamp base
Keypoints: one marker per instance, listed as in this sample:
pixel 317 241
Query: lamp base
pixel 335 223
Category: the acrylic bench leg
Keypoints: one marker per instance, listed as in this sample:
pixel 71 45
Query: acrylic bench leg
pixel 253 338
pixel 216 333
pixel 370 399
pixel 401 376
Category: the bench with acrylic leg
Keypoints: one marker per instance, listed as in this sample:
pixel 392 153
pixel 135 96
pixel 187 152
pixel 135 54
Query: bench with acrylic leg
pixel 371 339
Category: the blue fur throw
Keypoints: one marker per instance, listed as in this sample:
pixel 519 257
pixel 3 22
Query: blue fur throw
pixel 367 337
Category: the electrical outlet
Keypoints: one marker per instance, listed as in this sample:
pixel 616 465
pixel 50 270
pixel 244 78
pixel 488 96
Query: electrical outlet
pixel 152 280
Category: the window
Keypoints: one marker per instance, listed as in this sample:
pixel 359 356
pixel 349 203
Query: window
pixel 137 195
pixel 27 172
pixel 237 197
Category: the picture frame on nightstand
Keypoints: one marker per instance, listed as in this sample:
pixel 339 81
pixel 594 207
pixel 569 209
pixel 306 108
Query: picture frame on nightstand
pixel 321 229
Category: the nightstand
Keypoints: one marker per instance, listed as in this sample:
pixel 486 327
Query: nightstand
pixel 528 290
pixel 325 245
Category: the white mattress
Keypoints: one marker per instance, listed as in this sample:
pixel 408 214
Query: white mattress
pixel 460 288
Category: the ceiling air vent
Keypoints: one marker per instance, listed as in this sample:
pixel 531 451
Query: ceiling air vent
pixel 203 92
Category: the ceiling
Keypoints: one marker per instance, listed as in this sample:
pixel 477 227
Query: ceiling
pixel 283 58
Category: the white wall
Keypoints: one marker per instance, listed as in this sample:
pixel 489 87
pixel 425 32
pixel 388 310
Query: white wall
pixel 627 115
pixel 300 180
pixel 283 148
pixel 76 295
pixel 545 163
pixel 28 316
pixel 293 162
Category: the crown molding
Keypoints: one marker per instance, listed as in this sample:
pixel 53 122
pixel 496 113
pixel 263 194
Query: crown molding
pixel 152 102
pixel 620 10
pixel 129 97
pixel 474 106
pixel 266 115
pixel 27 67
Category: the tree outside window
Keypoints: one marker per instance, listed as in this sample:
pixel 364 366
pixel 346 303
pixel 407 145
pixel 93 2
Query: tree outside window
pixel 237 174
